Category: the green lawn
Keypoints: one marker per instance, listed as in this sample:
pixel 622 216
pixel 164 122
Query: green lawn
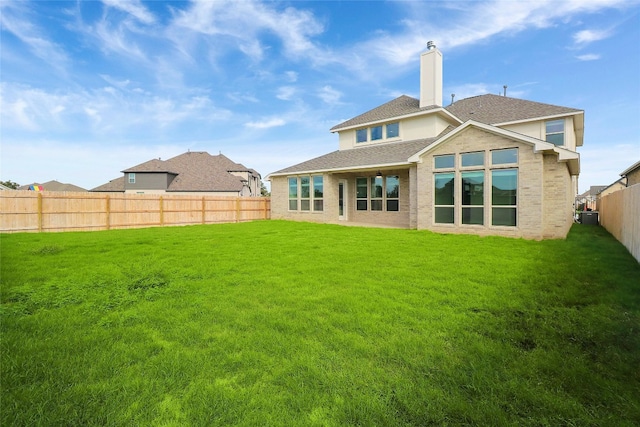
pixel 282 323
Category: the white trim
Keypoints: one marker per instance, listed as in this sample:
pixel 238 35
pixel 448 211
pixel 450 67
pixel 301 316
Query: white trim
pixel 542 118
pixel 399 118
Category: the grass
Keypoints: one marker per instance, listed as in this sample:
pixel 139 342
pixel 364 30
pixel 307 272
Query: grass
pixel 280 323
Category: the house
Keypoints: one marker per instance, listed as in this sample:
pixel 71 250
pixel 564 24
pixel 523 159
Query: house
pixel 51 186
pixel 4 187
pixel 486 165
pixel 632 174
pixel 193 172
pixel 587 200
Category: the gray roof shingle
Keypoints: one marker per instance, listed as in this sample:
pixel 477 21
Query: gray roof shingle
pixel 493 109
pixel 393 153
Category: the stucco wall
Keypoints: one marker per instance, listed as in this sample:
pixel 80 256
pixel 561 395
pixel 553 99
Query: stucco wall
pixel 533 207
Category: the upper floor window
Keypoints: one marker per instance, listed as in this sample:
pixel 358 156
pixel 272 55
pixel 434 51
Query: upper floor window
pixel 502 157
pixel 377 133
pixel 472 159
pixel 393 130
pixel 555 132
pixel 132 178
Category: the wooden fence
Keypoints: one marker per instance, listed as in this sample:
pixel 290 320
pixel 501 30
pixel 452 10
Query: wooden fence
pixel 619 213
pixel 30 211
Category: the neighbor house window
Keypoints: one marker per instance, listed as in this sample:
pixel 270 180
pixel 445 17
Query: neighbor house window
pixel 318 193
pixel 293 194
pixel 444 197
pixel 305 193
pixel 444 162
pixel 393 193
pixel 361 194
pixel 555 132
pixel 393 130
pixel 473 197
pixel 361 135
pixel 132 178
pixel 504 192
pixel 376 193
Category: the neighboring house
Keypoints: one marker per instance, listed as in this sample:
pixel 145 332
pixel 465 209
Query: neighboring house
pixel 193 172
pixel 51 186
pixel 616 186
pixel 587 200
pixel 632 174
pixel 486 165
pixel 4 187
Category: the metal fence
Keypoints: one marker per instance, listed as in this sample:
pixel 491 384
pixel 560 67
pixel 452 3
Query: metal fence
pixel 30 211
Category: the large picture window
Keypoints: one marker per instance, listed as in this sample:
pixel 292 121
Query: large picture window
pixel 504 192
pixel 378 193
pixel 444 197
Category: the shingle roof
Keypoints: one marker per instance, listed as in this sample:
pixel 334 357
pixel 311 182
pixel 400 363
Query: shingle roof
pixel 194 170
pixel 393 153
pixel 400 106
pixel 54 186
pixel 493 109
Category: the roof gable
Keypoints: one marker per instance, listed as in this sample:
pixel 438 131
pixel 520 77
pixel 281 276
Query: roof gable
pixel 564 155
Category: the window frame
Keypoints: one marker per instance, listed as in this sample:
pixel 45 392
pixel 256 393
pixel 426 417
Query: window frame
pixel 310 185
pixel 132 177
pixel 555 133
pixel 451 176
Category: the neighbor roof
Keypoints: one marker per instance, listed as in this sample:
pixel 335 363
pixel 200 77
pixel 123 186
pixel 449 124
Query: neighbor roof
pixel 193 170
pixel 54 186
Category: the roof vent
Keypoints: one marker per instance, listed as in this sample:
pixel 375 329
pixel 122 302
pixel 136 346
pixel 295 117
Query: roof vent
pixel 431 45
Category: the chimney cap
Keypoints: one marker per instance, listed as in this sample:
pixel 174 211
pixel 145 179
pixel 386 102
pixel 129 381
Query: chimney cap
pixel 431 45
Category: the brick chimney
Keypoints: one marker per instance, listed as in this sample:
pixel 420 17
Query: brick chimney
pixel 431 76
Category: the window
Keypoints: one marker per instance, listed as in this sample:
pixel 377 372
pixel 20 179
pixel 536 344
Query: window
pixel 293 194
pixel 376 193
pixel 318 193
pixel 473 197
pixel 393 193
pixel 444 197
pixel 504 191
pixel 305 193
pixel 361 194
pixel 501 157
pixel 444 162
pixel 361 135
pixel 555 132
pixel 132 178
pixel 472 159
pixel 376 133
pixel 393 130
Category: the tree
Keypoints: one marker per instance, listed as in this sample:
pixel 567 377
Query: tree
pixel 263 190
pixel 10 184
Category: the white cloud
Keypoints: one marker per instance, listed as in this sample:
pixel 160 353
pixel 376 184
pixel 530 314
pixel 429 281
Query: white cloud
pixel 588 57
pixel 266 124
pixel 286 93
pixel 133 7
pixel 585 37
pixel 329 95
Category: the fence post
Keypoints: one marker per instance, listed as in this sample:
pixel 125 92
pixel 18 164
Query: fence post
pixel 161 211
pixel 108 212
pixel 203 212
pixel 39 212
pixel 237 209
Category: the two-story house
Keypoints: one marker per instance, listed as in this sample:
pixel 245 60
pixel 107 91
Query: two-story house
pixel 486 165
pixel 193 172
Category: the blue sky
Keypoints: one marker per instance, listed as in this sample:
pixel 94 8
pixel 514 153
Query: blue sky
pixel 90 88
